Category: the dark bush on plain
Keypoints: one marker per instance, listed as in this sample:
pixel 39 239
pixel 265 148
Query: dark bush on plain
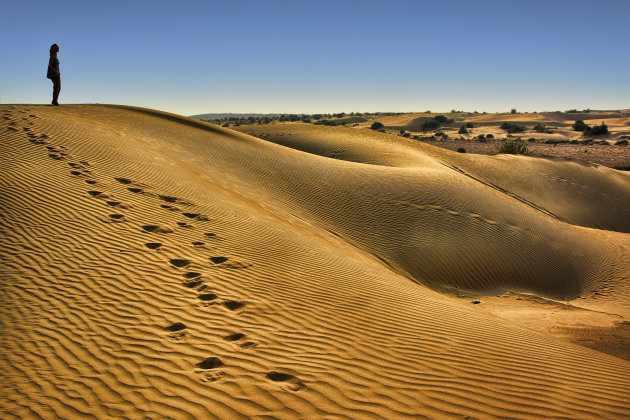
pixel 430 125
pixel 542 128
pixel 470 125
pixel 579 125
pixel 440 118
pixel 463 130
pixel 512 128
pixel 597 130
pixel 461 150
pixel 623 142
pixel 376 125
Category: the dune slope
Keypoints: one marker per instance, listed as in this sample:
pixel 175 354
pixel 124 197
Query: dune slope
pixel 155 266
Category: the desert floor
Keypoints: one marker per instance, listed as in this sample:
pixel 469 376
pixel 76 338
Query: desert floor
pixel 156 266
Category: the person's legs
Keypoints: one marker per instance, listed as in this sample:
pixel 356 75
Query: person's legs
pixel 56 89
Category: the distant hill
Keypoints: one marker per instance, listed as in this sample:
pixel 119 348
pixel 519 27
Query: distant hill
pixel 219 116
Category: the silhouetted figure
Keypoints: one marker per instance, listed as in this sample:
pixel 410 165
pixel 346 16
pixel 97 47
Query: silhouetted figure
pixel 53 72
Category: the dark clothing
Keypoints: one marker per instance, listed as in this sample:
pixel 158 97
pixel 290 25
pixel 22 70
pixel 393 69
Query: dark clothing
pixel 53 71
pixel 56 88
pixel 54 76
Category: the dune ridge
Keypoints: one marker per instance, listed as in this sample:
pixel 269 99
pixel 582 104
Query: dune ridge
pixel 155 266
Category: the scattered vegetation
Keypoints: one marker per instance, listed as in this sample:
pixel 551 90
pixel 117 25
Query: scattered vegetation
pixel 376 125
pixel 542 128
pixel 623 142
pixel 461 150
pixel 430 125
pixel 579 125
pixel 470 125
pixel 596 130
pixel 513 111
pixel 512 128
pixel 513 147
pixel 441 119
pixel 463 130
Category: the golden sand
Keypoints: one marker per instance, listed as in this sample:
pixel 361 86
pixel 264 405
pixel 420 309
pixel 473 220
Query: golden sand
pixel 155 266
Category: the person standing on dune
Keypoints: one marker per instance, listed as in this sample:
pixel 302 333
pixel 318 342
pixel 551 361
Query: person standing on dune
pixel 53 72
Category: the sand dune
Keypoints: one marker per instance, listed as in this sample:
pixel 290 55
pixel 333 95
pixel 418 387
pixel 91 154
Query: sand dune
pixel 157 266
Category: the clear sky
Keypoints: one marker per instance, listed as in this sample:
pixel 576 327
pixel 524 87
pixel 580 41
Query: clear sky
pixel 192 57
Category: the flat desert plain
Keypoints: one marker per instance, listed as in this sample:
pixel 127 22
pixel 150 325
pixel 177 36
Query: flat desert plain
pixel 157 266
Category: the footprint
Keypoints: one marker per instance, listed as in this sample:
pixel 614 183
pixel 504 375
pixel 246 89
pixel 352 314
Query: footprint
pixel 135 190
pixel 117 216
pixel 197 243
pixel 90 181
pixel 179 262
pixel 171 208
pixel 207 297
pixel 289 382
pixel 210 235
pixel 218 260
pixel 178 326
pixel 192 275
pixel 234 337
pixel 184 225
pixel 156 229
pixel 210 363
pixel 193 284
pixel 207 369
pixel 98 194
pixel 123 180
pixel 168 198
pixel 119 204
pixel 56 156
pixel 76 173
pixel 233 305
pixel 153 245
pixel 197 216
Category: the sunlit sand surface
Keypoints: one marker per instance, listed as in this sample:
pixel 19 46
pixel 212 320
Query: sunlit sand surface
pixel 155 266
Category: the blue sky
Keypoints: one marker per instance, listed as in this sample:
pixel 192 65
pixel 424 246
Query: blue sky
pixel 295 56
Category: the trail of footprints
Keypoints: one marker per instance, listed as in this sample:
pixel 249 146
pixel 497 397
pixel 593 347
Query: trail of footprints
pixel 209 369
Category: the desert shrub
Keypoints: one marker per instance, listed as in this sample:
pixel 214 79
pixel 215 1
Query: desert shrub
pixel 470 125
pixel 542 128
pixel 621 168
pixel 489 136
pixel 462 130
pixel 481 138
pixel 440 118
pixel 461 150
pixel 579 125
pixel 512 128
pixel 513 147
pixel 623 142
pixel 513 111
pixel 430 125
pixel 531 140
pixel 306 120
pixel 376 125
pixel 597 130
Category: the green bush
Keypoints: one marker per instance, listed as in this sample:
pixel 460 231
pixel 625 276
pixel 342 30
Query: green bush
pixel 513 147
pixel 430 125
pixel 597 130
pixel 489 136
pixel 376 125
pixel 512 128
pixel 542 128
pixel 461 150
pixel 462 130
pixel 470 125
pixel 440 118
pixel 623 142
pixel 580 126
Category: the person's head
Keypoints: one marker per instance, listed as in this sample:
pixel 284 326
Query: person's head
pixel 54 48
